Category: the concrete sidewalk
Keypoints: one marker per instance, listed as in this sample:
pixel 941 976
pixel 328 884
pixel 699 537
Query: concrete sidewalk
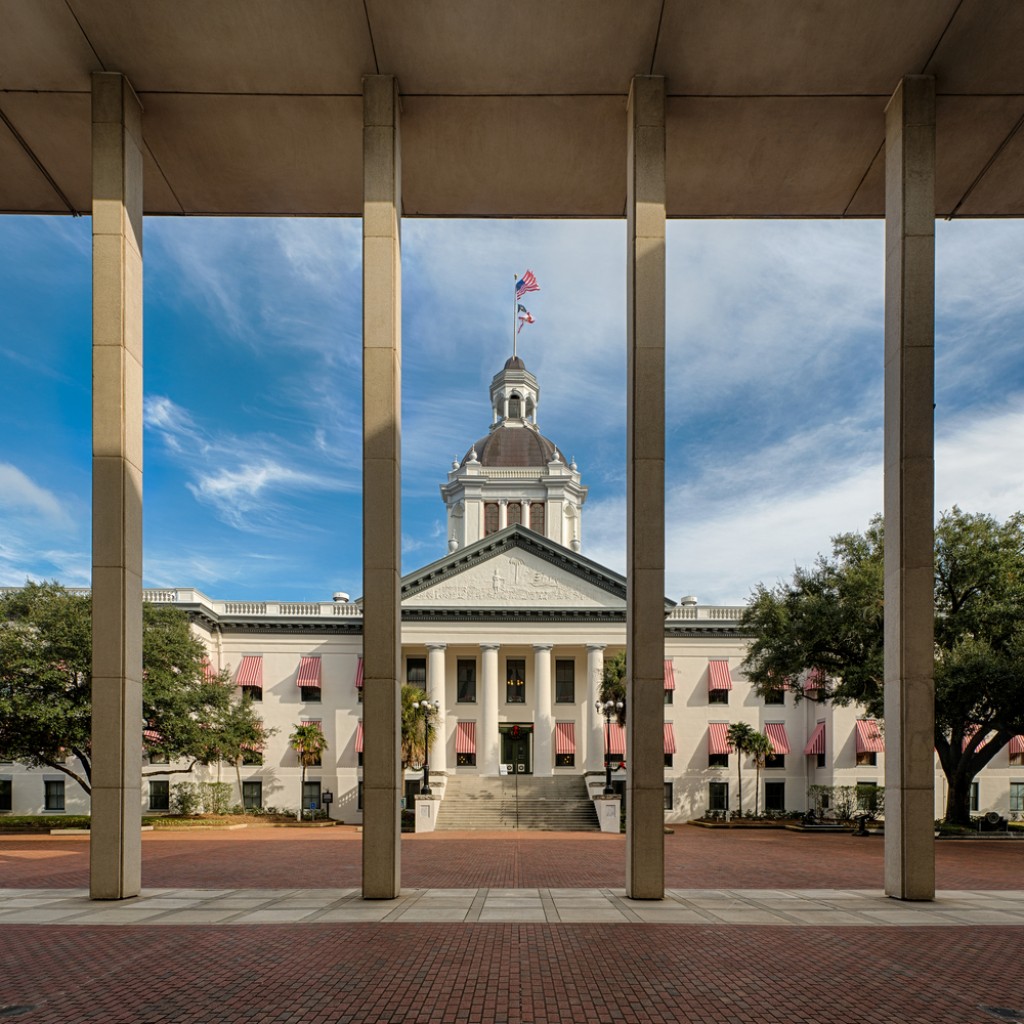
pixel 831 908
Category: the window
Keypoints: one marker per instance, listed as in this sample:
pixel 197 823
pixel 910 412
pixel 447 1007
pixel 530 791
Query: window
pixel 668 696
pixel 774 796
pixel 718 796
pixel 310 694
pixel 775 761
pixel 252 757
pixel 466 676
pixel 6 794
pixel 359 796
pixel 718 760
pixel 718 696
pixel 565 760
pixel 412 790
pixel 867 759
pixel 157 758
pixel 821 760
pixel 975 796
pixel 490 518
pixel 252 795
pixel 515 681
pixel 515 406
pixel 669 798
pixel 311 795
pixel 465 760
pixel 514 513
pixel 159 795
pixel 254 693
pixel 775 696
pixel 537 516
pixel 54 789
pixel 1017 758
pixel 1016 796
pixel 668 760
pixel 565 681
pixel 416 672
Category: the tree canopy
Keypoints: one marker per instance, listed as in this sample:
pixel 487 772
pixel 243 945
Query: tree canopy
pixel 188 712
pixel 827 625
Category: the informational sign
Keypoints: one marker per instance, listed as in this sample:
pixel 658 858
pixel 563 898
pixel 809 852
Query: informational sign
pixel 503 769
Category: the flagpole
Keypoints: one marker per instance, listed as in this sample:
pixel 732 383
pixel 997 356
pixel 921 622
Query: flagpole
pixel 515 279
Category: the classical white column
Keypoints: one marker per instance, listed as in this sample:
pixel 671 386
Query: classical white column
pixel 595 722
pixel 645 488
pixel 487 748
pixel 502 514
pixel 544 726
pixel 436 691
pixel 115 848
pixel 526 511
pixel 382 471
pixel 909 489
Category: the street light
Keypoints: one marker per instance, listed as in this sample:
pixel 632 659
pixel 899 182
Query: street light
pixel 426 708
pixel 608 708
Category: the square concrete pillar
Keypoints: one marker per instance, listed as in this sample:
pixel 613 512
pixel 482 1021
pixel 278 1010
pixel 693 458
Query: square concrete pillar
pixel 115 849
pixel 909 489
pixel 382 479
pixel 645 489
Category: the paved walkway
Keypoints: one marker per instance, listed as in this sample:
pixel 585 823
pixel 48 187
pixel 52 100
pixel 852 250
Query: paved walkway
pixel 825 907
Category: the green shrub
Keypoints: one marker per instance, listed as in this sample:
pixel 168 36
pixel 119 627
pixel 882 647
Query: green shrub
pixel 186 798
pixel 215 796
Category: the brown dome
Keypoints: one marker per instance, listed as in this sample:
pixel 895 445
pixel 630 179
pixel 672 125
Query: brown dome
pixel 514 447
pixel 514 363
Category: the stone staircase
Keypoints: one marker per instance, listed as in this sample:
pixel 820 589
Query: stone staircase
pixel 555 804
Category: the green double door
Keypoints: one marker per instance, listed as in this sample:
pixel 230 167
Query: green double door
pixel 515 748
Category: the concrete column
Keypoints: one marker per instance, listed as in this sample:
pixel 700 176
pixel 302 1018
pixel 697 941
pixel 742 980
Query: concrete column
pixel 909 489
pixel 435 691
pixel 595 723
pixel 115 849
pixel 645 488
pixel 487 749
pixel 544 726
pixel 382 471
pixel 502 514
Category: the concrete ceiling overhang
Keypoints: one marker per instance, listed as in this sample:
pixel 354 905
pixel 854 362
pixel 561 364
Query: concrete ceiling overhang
pixel 253 107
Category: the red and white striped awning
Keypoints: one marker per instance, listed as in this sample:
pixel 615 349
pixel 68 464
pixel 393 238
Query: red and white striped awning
pixel 565 737
pixel 209 672
pixel 814 680
pixel 816 744
pixel 718 675
pixel 1016 745
pixel 969 735
pixel 250 671
pixel 359 738
pixel 313 721
pixel 718 738
pixel 615 740
pixel 465 738
pixel 670 739
pixel 776 732
pixel 869 737
pixel 309 671
pixel 151 736
pixel 359 674
pixel 670 675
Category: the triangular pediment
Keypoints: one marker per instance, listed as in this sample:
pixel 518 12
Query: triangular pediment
pixel 515 568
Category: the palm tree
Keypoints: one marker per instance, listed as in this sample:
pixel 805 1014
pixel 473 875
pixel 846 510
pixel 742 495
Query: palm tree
pixel 739 735
pixel 413 752
pixel 307 740
pixel 759 747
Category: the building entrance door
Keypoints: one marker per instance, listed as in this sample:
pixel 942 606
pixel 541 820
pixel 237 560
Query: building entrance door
pixel 515 748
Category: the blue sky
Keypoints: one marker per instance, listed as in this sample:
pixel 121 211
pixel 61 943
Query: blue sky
pixel 252 383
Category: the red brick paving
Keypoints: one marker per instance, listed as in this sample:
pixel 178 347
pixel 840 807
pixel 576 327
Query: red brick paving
pixel 331 858
pixel 509 974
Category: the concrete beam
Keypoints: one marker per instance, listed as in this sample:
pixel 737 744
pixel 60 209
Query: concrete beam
pixel 645 488
pixel 909 489
pixel 115 849
pixel 382 480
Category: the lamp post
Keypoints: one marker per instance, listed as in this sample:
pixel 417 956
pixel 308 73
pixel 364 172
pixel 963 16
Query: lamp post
pixel 426 708
pixel 608 708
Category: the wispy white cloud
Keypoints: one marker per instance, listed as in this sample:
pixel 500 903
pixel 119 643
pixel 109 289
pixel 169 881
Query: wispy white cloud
pixel 21 495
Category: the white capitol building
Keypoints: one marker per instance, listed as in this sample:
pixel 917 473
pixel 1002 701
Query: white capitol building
pixel 508 632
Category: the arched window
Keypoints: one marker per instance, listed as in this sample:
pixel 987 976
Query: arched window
pixel 515 406
pixel 490 517
pixel 515 513
pixel 537 516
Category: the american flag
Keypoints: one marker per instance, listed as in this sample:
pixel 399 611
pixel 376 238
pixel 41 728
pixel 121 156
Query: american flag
pixel 527 283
